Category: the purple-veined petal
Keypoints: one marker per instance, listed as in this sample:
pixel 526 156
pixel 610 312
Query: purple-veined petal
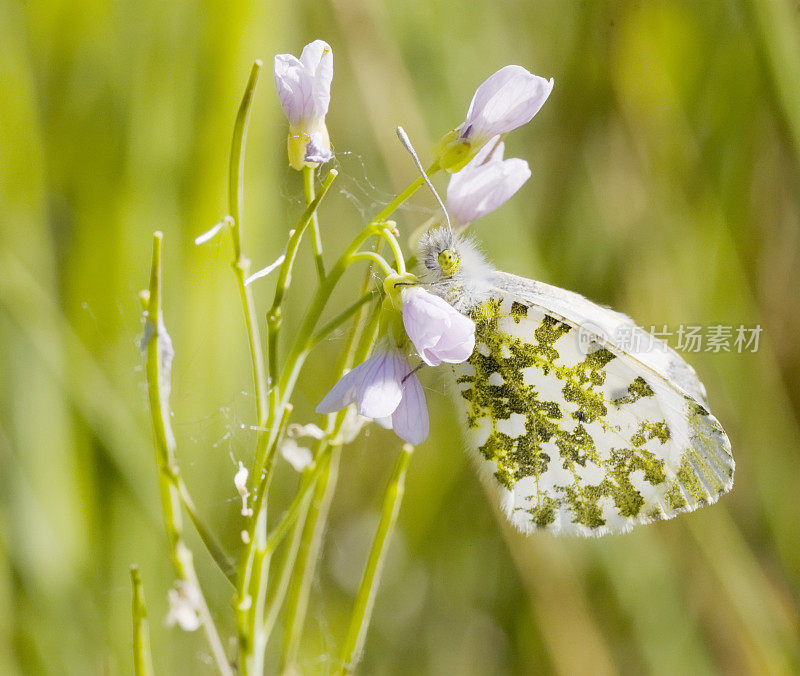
pixel 290 81
pixel 439 332
pixel 317 57
pixel 410 419
pixel 387 390
pixel 304 85
pixel 372 384
pixel 483 185
pixel 379 392
pixel 507 99
pixel 343 393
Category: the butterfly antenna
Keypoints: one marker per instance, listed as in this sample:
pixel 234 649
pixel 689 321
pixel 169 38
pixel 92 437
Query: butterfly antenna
pixel 401 134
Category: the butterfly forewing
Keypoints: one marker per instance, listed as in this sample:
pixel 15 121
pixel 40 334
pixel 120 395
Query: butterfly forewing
pixel 578 435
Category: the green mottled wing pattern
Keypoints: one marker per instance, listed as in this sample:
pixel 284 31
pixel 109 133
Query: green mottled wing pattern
pixel 584 437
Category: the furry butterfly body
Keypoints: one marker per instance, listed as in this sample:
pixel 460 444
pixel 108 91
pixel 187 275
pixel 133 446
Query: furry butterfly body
pixel 578 431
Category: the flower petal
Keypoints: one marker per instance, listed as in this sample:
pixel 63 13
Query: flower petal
pixel 343 392
pixel 410 420
pixel 479 189
pixel 379 392
pixel 304 84
pixel 439 332
pixel 424 320
pixel 386 422
pixel 317 57
pixel 290 81
pixel 507 99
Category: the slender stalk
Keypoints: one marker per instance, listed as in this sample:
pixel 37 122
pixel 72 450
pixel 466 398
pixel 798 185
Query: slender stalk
pixel 250 589
pixel 341 318
pixel 274 316
pixel 241 264
pixel 365 599
pixel 356 350
pixel 302 343
pixel 310 545
pixel 209 539
pixel 373 258
pixel 313 536
pixel 399 258
pixel 316 241
pixel 251 586
pixel 287 570
pixel 303 340
pixel 159 356
pixel 390 208
pixel 142 659
pixel 291 515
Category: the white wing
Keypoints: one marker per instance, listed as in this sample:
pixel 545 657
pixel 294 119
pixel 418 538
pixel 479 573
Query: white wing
pixel 579 434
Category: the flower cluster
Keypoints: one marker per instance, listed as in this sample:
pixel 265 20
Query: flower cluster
pixel 385 387
pixel 481 179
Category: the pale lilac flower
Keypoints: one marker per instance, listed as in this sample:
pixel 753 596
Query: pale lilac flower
pixel 440 333
pixel 507 99
pixel 304 88
pixel 487 182
pixel 386 389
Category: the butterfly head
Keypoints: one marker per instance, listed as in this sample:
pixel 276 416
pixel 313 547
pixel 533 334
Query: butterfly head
pixel 449 262
pixel 453 268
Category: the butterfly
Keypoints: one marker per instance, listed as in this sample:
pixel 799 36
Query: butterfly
pixel 582 421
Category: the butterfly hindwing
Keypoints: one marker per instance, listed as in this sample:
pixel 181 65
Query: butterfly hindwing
pixel 584 437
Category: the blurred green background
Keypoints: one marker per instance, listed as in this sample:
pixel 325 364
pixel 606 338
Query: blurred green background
pixel 666 168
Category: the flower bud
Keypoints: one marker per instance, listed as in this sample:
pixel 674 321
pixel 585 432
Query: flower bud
pixel 486 183
pixel 507 99
pixel 304 89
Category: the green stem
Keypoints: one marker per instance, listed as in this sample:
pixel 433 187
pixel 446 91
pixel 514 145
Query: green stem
pixel 287 570
pixel 356 350
pixel 399 258
pixel 374 258
pixel 241 264
pixel 209 540
pixel 390 208
pixel 310 545
pixel 252 578
pixel 258 549
pixel 142 659
pixel 365 599
pixel 316 240
pixel 158 383
pixel 303 339
pixel 291 515
pixel 341 318
pixel 274 316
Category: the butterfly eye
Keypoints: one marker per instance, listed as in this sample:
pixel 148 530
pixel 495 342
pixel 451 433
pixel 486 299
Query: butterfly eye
pixel 449 262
